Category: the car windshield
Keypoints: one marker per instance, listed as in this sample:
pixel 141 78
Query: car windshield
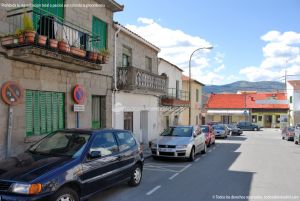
pixel 291 129
pixel 61 144
pixel 218 127
pixel 178 132
pixel 204 129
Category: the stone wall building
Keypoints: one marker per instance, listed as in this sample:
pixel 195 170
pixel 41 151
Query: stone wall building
pixel 138 85
pixel 48 76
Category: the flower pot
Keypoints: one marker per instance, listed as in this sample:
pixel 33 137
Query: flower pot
pixel 99 57
pixel 21 39
pixel 63 46
pixel 92 56
pixel 78 52
pixel 7 40
pixel 105 59
pixel 29 36
pixel 42 40
pixel 53 43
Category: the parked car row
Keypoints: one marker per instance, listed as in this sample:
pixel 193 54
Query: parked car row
pixel 72 165
pixel 291 133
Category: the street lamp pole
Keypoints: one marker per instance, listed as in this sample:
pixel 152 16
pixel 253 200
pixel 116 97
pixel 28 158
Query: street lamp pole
pixel 190 80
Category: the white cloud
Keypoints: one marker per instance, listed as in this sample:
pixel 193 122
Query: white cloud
pixel 282 52
pixel 177 46
pixel 219 68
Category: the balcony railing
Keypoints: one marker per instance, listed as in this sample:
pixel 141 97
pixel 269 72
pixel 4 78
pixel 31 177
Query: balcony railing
pixel 175 97
pixel 52 34
pixel 132 78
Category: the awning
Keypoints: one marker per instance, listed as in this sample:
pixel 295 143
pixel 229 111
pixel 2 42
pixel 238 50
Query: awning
pixel 241 112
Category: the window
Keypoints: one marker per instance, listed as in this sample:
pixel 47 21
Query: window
pixel 99 35
pixel 128 121
pixel 197 95
pixel 277 119
pixel 98 112
pixel 167 121
pixel 291 99
pixel 254 119
pixel 197 119
pixel 126 141
pixel 259 118
pixel 44 112
pixel 106 143
pixel 126 56
pixel 148 64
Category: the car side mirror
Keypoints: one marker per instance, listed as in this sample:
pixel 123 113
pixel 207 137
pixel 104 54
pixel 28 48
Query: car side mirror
pixel 94 154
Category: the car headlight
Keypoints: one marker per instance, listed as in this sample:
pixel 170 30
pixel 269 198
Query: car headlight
pixel 181 146
pixel 29 189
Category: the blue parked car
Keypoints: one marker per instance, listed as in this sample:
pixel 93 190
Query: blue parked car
pixel 247 126
pixel 72 165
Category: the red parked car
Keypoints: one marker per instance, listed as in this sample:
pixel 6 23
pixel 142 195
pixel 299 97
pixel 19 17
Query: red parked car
pixel 209 135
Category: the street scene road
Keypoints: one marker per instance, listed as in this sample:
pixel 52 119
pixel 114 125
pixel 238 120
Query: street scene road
pixel 257 165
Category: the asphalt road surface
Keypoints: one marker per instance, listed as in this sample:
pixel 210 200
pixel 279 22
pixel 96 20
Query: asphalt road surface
pixel 258 165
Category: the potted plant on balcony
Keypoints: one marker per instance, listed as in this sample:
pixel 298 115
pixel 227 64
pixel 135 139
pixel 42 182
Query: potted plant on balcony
pixel 7 40
pixel 92 55
pixel 42 40
pixel 53 42
pixel 105 55
pixel 62 45
pixel 75 49
pixel 20 36
pixel 29 31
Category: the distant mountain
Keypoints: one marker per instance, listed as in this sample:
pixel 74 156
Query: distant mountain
pixel 263 86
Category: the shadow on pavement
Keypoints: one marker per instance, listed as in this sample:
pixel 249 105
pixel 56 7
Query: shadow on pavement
pixel 236 138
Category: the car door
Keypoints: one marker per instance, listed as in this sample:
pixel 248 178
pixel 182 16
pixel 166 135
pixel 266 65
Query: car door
pixel 128 149
pixel 197 139
pixel 100 172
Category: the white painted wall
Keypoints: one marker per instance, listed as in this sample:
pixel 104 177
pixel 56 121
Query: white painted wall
pixel 129 102
pixel 172 72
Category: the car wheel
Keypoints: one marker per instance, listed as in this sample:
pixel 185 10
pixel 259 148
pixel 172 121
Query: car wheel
pixel 255 129
pixel 192 155
pixel 136 176
pixel 282 137
pixel 296 142
pixel 155 157
pixel 209 143
pixel 65 194
pixel 204 149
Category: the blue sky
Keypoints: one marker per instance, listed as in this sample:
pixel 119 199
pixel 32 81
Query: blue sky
pixel 252 39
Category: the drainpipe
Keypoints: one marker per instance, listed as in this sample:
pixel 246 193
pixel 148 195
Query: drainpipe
pixel 115 75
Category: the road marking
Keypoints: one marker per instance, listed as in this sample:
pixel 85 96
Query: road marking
pixel 186 167
pixel 153 190
pixel 197 159
pixel 173 176
pixel 209 150
pixel 214 148
pixel 164 168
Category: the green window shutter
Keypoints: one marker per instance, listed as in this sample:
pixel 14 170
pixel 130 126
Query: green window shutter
pixel 54 111
pixel 291 99
pixel 28 113
pixel 43 112
pixel 49 111
pixel 99 29
pixel 36 113
pixel 61 110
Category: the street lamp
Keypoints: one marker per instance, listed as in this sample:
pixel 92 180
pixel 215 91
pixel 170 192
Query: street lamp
pixel 190 80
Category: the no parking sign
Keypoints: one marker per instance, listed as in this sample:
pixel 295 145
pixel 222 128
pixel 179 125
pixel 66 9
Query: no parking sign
pixel 79 94
pixel 11 93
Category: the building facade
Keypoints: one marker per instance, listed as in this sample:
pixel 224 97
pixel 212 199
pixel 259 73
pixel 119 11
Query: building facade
pixel 293 96
pixel 176 100
pixel 49 74
pixel 264 109
pixel 139 85
pixel 196 101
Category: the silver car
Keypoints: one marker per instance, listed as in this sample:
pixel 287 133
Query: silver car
pixel 179 142
pixel 297 134
pixel 220 131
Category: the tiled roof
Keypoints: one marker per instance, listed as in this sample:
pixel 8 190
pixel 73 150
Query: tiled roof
pixel 239 101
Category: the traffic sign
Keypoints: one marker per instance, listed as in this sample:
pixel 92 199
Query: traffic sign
pixel 79 94
pixel 12 93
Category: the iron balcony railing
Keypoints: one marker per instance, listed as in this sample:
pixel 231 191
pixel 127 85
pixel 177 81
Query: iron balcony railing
pixel 53 29
pixel 174 93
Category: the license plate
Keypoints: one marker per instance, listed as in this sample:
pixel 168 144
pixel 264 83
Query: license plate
pixel 165 149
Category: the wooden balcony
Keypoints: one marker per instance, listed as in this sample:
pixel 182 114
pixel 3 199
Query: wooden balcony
pixel 141 81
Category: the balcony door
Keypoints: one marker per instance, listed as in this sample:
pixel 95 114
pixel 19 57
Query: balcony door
pixel 144 126
pixel 98 112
